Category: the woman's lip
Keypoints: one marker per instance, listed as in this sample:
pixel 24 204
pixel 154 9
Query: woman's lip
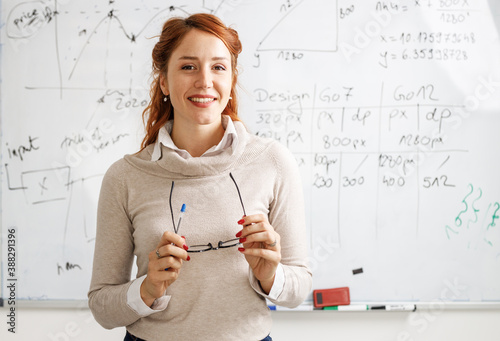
pixel 202 96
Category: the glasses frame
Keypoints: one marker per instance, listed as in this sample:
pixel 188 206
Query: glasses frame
pixel 208 246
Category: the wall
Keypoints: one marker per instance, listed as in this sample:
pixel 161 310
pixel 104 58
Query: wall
pixel 457 325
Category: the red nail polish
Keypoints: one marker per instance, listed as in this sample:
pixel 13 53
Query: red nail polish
pixel 242 240
pixel 241 249
pixel 238 234
pixel 189 258
pixel 241 221
pixel 185 247
pixel 183 237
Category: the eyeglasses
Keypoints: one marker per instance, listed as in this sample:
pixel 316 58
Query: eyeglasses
pixel 206 247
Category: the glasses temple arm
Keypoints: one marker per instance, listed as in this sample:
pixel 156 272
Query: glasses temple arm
pixel 170 204
pixel 239 194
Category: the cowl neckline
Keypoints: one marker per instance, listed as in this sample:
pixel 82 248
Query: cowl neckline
pixel 172 165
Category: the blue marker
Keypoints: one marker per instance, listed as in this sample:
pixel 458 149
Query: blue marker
pixel 183 209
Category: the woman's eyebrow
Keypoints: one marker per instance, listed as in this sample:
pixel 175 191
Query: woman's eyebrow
pixel 196 58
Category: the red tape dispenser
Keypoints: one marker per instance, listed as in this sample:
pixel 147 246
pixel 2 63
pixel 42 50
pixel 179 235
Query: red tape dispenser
pixel 331 297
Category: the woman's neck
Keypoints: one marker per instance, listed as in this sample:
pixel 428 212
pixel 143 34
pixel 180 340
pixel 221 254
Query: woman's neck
pixel 196 139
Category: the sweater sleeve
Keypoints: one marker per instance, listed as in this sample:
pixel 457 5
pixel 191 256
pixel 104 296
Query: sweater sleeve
pixel 287 216
pixel 113 255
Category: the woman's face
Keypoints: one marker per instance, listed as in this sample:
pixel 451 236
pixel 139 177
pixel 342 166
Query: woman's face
pixel 199 78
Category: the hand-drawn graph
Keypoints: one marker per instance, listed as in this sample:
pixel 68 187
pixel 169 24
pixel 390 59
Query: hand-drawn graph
pixel 75 58
pixel 112 28
pixel 291 33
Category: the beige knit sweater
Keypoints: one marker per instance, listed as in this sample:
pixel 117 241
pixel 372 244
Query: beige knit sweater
pixel 213 298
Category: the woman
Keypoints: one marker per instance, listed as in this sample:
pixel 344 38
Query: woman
pixel 213 214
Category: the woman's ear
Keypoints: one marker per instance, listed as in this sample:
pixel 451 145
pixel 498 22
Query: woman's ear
pixel 164 84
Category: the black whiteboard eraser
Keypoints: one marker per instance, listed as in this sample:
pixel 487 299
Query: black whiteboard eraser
pixel 357 271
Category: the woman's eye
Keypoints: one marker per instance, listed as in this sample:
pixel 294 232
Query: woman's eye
pixel 188 67
pixel 219 68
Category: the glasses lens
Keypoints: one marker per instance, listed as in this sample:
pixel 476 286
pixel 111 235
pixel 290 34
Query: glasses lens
pixel 229 243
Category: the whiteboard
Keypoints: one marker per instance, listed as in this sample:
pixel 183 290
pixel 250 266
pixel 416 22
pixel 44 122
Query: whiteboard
pixel 391 108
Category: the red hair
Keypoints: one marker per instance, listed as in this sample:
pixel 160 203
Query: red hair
pixel 158 112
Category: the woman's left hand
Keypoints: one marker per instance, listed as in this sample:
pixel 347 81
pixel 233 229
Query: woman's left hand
pixel 261 247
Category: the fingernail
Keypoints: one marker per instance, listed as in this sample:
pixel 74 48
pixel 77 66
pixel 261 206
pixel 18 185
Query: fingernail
pixel 185 247
pixel 189 258
pixel 183 237
pixel 242 240
pixel 241 221
pixel 241 249
pixel 238 234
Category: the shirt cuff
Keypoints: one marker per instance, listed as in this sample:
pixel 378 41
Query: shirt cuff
pixel 278 284
pixel 135 301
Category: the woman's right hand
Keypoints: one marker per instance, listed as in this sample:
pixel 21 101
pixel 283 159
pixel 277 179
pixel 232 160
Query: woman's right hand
pixel 164 269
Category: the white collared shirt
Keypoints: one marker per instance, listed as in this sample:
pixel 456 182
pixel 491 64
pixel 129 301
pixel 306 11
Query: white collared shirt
pixel 229 140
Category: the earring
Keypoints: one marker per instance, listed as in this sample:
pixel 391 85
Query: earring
pixel 165 98
pixel 230 97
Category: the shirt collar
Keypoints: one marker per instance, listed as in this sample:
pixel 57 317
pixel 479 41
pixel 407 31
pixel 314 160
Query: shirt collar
pixel 229 140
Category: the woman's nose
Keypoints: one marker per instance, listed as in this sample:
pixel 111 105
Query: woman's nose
pixel 204 80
